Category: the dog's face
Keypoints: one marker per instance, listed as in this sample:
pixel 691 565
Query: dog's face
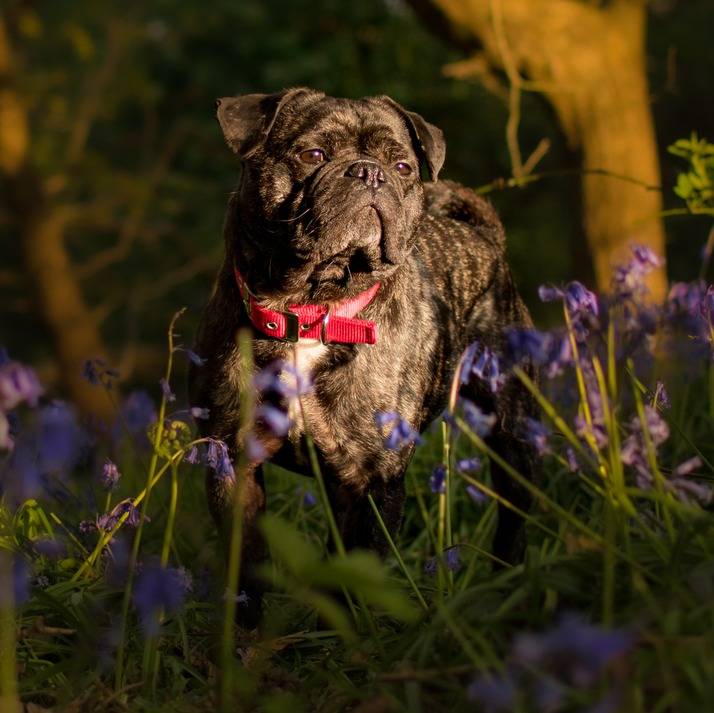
pixel 331 191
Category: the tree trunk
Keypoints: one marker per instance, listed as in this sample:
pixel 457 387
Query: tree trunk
pixel 589 62
pixel 48 267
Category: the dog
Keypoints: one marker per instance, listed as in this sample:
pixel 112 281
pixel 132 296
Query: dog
pixel 346 256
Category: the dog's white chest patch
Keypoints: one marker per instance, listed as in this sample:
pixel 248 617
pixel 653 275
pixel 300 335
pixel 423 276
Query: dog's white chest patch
pixel 304 356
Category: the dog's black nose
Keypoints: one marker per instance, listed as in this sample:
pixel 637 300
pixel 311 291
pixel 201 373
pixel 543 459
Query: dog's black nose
pixel 368 171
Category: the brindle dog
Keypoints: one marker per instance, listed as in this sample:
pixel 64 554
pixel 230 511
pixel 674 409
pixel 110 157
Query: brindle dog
pixel 331 201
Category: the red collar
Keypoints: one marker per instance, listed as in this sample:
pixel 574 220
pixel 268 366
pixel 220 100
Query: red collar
pixel 310 321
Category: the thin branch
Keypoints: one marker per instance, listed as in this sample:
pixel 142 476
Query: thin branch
pixel 131 228
pixel 91 100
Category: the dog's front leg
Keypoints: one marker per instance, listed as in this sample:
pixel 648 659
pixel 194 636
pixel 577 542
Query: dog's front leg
pixel 222 491
pixel 356 522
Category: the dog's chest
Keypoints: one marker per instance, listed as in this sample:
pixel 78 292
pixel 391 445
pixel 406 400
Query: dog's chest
pixel 304 356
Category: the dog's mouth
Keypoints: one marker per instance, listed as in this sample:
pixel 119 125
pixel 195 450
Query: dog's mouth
pixel 361 257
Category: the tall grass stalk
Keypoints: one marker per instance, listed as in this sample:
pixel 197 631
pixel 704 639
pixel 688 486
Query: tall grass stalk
pixel 397 555
pixel 230 608
pixel 159 432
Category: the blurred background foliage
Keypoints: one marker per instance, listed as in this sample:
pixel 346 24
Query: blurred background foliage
pixel 122 148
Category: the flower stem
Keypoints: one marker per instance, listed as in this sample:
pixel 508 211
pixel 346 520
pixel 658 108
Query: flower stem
pixel 119 668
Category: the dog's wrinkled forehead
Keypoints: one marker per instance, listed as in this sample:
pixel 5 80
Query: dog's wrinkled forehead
pixel 361 126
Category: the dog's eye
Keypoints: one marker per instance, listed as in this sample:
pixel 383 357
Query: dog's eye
pixel 403 169
pixel 313 156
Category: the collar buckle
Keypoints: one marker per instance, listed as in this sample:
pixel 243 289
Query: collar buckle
pixel 292 327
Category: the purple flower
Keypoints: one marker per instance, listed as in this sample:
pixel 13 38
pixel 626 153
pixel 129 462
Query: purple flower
pixel 401 433
pixel 661 397
pixel 157 589
pixel 537 434
pixel 218 459
pixel 437 480
pixel 308 498
pixel 50 547
pixel 479 422
pixel 166 390
pixel 193 357
pixel 60 441
pixel 573 465
pixel 628 278
pixel 452 558
pixel 275 419
pixel 282 379
pixel 254 449
pixel 136 414
pixel 18 384
pixel 483 363
pixel 577 651
pixel 199 413
pixel 110 475
pixel 494 694
pixel 430 567
pixel 551 350
pixel 581 304
pixel 476 495
pixel 468 465
pixel 192 456
pixel 110 520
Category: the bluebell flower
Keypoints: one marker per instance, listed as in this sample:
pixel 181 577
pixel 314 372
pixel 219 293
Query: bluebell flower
pixel 537 434
pixel 431 566
pixel 199 413
pixel 628 279
pixel 482 362
pixel 110 475
pixel 283 379
pixel 157 589
pixel 494 693
pixel 18 384
pixel 479 422
pixel 573 465
pixel 452 558
pixel 275 419
pixel 577 651
pixel 166 390
pixel 136 414
pixel 254 449
pixel 468 465
pixel 307 497
pixel 60 440
pixel 401 433
pixel 193 357
pixel 550 350
pixel 476 495
pixel 218 459
pixel 437 480
pixel 582 305
pixel 192 457
pixel 50 547
pixel 108 521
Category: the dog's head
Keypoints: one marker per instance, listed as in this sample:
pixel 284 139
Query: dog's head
pixel 331 191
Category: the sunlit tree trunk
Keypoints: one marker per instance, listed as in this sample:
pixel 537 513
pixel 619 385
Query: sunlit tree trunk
pixel 41 228
pixel 588 59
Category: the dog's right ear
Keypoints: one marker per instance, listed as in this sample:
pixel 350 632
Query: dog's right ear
pixel 247 120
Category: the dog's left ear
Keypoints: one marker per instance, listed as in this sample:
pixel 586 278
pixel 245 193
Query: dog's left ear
pixel 247 120
pixel 428 140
